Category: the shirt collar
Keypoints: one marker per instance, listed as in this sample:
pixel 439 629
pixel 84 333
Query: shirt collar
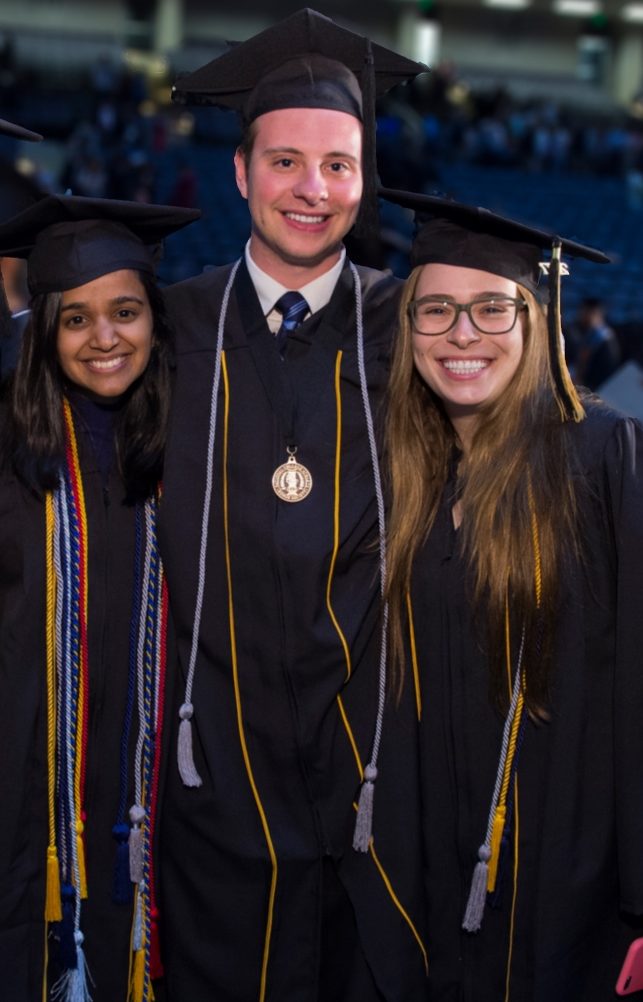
pixel 316 293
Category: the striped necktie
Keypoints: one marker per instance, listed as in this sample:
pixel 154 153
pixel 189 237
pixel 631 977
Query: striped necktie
pixel 293 307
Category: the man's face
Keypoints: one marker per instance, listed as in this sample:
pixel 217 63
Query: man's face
pixel 303 182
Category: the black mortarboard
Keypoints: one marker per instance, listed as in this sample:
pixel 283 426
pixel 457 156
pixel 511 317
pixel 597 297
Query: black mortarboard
pixel 304 61
pixel 17 132
pixel 450 232
pixel 69 240
pixel 280 68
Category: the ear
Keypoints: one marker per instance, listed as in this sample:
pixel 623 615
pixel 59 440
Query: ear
pixel 240 172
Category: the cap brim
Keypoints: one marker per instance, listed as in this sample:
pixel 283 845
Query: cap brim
pixel 17 132
pixel 483 220
pixel 151 223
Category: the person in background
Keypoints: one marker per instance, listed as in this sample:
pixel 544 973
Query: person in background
pixel 269 532
pixel 592 346
pixel 17 192
pixel 83 603
pixel 515 563
pixel 8 177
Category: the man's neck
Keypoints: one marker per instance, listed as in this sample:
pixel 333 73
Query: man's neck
pixel 317 291
pixel 290 274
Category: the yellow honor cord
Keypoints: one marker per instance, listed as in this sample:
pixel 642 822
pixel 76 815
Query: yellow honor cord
pixel 496 837
pixel 53 907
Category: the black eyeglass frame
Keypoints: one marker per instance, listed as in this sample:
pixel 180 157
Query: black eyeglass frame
pixel 519 305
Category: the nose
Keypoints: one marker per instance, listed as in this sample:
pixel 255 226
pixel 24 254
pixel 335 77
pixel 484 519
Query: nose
pixel 463 333
pixel 104 336
pixel 311 185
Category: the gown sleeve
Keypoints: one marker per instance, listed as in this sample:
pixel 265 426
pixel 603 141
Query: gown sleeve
pixel 624 458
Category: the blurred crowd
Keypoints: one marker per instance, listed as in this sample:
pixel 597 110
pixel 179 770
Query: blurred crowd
pixel 119 128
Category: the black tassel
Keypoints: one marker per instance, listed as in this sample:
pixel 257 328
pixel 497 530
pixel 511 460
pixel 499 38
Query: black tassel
pixel 122 888
pixel 367 224
pixel 67 956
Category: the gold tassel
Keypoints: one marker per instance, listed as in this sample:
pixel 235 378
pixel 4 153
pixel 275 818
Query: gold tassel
pixel 499 819
pixel 53 907
pixel 569 403
pixel 138 978
pixel 80 847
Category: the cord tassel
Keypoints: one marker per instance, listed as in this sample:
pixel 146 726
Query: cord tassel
pixel 80 849
pixel 53 909
pixel 156 962
pixel 364 820
pixel 122 885
pixel 138 976
pixel 187 768
pixel 73 986
pixel 499 820
pixel 67 948
pixel 137 816
pixel 137 933
pixel 478 892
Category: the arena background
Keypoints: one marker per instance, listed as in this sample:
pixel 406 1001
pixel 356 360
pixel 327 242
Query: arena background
pixel 533 108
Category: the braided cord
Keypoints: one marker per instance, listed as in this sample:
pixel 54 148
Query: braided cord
pixel 364 820
pixel 78 526
pixel 53 910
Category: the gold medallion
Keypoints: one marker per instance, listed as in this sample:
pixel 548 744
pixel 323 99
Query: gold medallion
pixel 291 481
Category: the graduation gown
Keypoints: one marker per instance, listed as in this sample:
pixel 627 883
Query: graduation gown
pixel 570 893
pixel 285 691
pixel 23 733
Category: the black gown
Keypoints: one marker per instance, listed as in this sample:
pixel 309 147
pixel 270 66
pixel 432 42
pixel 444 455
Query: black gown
pixel 23 731
pixel 579 805
pixel 282 725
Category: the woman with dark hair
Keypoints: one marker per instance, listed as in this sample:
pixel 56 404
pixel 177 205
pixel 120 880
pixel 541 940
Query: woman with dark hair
pixel 515 567
pixel 83 606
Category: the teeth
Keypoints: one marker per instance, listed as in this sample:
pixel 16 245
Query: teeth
pixel 300 218
pixel 105 363
pixel 464 365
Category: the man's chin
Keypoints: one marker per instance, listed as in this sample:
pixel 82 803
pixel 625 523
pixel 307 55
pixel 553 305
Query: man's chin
pixel 303 260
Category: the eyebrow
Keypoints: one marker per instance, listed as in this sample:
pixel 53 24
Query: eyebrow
pixel 118 301
pixel 332 154
pixel 446 296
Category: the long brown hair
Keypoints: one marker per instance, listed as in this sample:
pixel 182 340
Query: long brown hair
pixel 517 495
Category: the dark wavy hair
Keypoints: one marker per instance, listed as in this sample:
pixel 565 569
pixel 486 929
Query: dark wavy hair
pixel 34 443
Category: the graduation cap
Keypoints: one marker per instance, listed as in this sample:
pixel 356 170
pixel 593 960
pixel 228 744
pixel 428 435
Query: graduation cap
pixel 450 232
pixel 69 240
pixel 17 132
pixel 304 61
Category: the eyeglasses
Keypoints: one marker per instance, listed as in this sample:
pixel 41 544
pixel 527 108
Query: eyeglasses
pixel 491 315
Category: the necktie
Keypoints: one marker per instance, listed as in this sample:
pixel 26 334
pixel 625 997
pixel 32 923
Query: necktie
pixel 293 307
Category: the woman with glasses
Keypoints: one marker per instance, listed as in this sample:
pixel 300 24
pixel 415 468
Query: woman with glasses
pixel 515 583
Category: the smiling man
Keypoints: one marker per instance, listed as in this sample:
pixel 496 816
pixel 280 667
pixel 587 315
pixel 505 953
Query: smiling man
pixel 271 517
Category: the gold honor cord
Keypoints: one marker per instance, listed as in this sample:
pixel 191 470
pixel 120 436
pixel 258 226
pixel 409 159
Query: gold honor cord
pixel 342 710
pixel 237 691
pixel 79 792
pixel 336 507
pixel 414 658
pixel 53 910
pixel 535 536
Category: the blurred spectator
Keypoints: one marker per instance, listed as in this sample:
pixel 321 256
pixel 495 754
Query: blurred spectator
pixel 592 348
pixel 184 191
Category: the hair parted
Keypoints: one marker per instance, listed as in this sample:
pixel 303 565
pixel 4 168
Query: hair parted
pixel 517 474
